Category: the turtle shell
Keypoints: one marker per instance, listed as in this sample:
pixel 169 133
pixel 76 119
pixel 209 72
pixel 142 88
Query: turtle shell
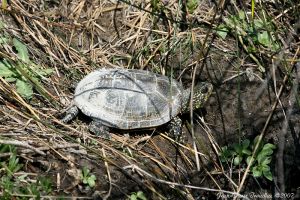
pixel 129 99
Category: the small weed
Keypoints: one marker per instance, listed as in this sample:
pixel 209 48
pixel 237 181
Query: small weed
pixel 157 6
pixel 87 178
pixel 137 196
pixel 237 151
pixel 258 33
pixel 241 154
pixel 192 5
pixel 12 166
pixel 23 71
pixel 4 148
pixel 11 185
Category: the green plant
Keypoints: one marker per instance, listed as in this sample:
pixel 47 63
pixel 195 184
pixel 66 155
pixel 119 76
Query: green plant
pixel 11 185
pixel 23 71
pixel 11 165
pixel 192 5
pixel 7 186
pixel 42 186
pixel 240 154
pixel 4 148
pixel 263 158
pixel 137 196
pixel 237 152
pixel 157 6
pixel 45 184
pixel 258 32
pixel 87 178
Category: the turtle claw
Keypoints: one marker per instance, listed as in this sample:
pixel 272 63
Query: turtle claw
pixel 99 129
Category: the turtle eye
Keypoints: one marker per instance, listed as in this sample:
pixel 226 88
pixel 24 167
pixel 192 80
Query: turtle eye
pixel 204 90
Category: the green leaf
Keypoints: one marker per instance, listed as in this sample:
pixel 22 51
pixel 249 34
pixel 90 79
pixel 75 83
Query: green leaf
pixel 222 31
pixel 251 49
pixel 247 152
pixel 264 168
pixel 3 40
pixel 6 69
pixel 256 172
pixel 237 148
pixel 269 146
pixel 226 154
pixel 265 161
pixel 85 171
pixel 192 5
pixel 261 156
pixel 24 89
pixel 38 71
pixel 264 153
pixel 248 160
pixel 85 181
pixel 22 50
pixel 45 72
pixel 10 79
pixel 22 177
pixel 242 15
pixel 267 152
pixel 237 160
pixel 264 39
pixel 133 197
pixel 255 142
pixel 246 144
pixel 141 195
pixel 258 23
pixel 275 47
pixel 268 175
pixel 91 180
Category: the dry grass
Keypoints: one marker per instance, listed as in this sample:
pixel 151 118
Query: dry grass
pixel 75 37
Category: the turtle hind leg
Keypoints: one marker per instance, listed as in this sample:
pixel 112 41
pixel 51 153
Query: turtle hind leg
pixel 175 127
pixel 71 113
pixel 99 129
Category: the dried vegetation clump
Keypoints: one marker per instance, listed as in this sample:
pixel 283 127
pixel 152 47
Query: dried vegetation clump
pixel 249 52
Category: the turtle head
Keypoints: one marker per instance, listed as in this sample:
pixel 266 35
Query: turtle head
pixel 201 93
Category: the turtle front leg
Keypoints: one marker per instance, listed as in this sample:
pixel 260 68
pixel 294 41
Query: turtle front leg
pixel 175 126
pixel 71 113
pixel 99 129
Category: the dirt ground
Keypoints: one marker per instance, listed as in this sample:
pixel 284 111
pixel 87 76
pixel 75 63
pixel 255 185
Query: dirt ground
pixel 74 37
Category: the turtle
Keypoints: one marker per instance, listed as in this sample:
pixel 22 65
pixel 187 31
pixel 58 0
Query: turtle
pixel 131 99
